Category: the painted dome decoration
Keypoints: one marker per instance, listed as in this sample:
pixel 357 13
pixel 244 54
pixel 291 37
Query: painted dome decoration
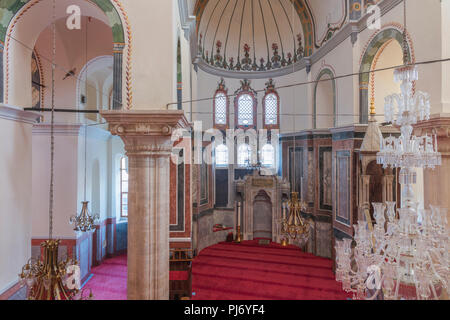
pixel 251 36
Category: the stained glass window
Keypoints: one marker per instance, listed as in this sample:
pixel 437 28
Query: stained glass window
pixel 268 156
pixel 271 109
pixel 221 108
pixel 245 110
pixel 221 156
pixel 123 187
pixel 244 154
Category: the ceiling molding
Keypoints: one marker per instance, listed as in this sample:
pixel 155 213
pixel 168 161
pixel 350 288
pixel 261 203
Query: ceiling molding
pixel 8 112
pixel 187 20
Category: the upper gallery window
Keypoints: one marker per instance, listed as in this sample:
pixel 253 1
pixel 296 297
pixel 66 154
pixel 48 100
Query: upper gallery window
pixel 245 110
pixel 245 106
pixel 221 103
pixel 123 187
pixel 271 106
pixel 221 156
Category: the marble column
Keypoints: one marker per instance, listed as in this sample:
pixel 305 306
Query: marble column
pixel 148 145
pixel 364 104
pixel 117 76
pixel 437 181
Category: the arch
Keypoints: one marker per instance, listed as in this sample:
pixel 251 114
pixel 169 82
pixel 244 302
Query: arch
pixel 90 67
pixel 262 216
pixel 10 8
pixel 325 72
pixel 375 43
pixel 14 10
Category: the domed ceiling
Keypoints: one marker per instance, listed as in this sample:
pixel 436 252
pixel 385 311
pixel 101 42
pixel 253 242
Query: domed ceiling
pixel 264 35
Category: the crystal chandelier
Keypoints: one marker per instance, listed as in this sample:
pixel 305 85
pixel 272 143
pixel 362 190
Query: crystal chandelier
pixel 408 151
pixel 401 258
pixel 295 226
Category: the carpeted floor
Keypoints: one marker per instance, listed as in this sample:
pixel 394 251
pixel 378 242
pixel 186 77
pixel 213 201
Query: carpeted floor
pixel 248 271
pixel 109 280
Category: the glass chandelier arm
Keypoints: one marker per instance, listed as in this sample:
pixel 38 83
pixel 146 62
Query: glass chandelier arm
pixel 436 274
pixel 376 292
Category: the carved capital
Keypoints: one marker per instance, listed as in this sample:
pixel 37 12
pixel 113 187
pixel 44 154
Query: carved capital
pixel 146 133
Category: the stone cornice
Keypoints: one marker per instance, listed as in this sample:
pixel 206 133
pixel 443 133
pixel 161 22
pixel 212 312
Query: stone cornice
pixel 18 114
pixel 58 129
pixel 436 125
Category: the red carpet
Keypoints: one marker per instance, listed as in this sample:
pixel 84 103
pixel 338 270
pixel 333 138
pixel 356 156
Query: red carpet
pixel 109 280
pixel 248 271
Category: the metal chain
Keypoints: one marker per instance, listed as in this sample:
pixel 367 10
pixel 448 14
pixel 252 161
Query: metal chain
pixel 405 39
pixel 85 159
pixel 52 135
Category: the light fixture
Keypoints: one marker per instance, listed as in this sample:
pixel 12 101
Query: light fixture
pixel 84 222
pixel 47 278
pixel 401 258
pixel 295 226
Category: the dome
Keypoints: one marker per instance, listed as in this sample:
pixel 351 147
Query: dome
pixel 253 35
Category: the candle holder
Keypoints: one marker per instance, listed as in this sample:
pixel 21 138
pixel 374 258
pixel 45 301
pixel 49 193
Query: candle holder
pixel 238 235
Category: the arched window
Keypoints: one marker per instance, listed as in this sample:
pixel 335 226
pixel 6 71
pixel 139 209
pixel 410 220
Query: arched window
pixel 271 106
pixel 245 110
pixel 245 106
pixel 123 187
pixel 221 156
pixel 244 155
pixel 221 107
pixel 268 156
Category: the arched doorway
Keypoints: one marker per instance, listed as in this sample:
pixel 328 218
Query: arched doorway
pixel 262 216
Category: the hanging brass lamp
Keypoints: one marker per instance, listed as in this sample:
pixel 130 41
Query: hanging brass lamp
pixel 295 226
pixel 84 222
pixel 48 279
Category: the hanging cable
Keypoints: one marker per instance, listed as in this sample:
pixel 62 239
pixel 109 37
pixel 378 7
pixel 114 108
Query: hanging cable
pixel 52 135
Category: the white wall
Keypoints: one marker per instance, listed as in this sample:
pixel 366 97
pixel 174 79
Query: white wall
pixel 15 200
pixel 65 183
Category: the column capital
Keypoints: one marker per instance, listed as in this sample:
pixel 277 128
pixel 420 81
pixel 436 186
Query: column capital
pixel 145 123
pixel 146 132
